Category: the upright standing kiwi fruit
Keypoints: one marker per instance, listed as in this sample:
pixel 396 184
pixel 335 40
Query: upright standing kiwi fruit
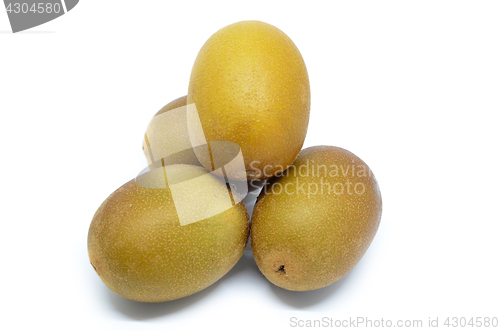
pixel 250 86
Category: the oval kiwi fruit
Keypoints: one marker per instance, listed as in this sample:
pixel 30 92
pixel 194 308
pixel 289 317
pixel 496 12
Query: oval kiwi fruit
pixel 250 86
pixel 139 248
pixel 171 139
pixel 313 223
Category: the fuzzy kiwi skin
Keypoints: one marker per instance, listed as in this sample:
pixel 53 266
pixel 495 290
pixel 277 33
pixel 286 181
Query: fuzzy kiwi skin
pixel 179 102
pixel 250 86
pixel 183 157
pixel 303 243
pixel 141 252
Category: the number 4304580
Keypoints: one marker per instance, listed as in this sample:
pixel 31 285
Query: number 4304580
pixel 471 322
pixel 36 8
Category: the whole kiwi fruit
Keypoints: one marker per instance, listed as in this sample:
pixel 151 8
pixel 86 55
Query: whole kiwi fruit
pixel 313 223
pixel 170 137
pixel 250 86
pixel 139 248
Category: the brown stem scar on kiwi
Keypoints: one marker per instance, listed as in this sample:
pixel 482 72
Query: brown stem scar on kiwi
pixel 281 269
pixel 93 266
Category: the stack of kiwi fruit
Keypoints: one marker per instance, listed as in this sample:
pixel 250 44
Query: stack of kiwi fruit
pixel 318 209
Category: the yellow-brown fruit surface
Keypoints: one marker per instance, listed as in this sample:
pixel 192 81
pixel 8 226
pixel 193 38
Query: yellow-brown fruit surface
pixel 179 102
pixel 250 86
pixel 177 140
pixel 141 252
pixel 312 224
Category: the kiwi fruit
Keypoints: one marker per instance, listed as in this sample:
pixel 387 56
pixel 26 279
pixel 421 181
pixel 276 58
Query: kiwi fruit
pixel 167 234
pixel 250 86
pixel 169 136
pixel 313 223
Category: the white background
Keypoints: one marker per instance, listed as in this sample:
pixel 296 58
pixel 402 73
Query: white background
pixel 413 88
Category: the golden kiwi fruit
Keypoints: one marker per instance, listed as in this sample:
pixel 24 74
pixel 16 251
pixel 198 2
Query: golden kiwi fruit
pixel 313 223
pixel 169 134
pixel 139 248
pixel 250 86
